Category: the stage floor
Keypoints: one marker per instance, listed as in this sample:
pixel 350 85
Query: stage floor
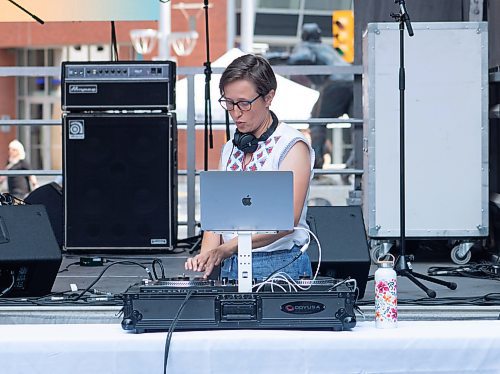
pixel 466 302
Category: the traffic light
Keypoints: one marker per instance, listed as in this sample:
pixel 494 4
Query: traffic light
pixel 343 33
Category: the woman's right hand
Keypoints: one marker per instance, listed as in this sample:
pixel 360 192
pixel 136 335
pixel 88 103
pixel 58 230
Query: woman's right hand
pixel 206 261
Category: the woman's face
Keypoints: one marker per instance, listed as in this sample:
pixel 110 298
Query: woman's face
pixel 248 121
pixel 13 152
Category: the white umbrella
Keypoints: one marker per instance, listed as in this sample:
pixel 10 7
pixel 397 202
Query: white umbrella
pixel 292 100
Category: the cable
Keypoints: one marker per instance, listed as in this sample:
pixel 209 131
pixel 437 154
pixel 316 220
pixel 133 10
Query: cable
pixel 13 281
pixel 484 270
pixel 68 266
pixel 105 269
pixel 153 267
pixel 9 199
pixel 302 250
pixel 172 328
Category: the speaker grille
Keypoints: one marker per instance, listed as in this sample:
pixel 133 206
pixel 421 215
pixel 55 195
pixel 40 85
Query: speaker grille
pixel 120 181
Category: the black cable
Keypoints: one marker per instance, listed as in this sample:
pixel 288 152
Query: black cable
pixel 281 268
pixel 172 328
pixel 13 281
pixel 9 199
pixel 105 269
pixel 68 266
pixel 485 270
pixel 153 267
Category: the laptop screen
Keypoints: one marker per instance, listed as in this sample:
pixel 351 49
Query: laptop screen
pixel 246 201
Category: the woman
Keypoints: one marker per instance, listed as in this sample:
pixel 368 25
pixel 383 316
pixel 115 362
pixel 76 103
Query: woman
pixel 19 186
pixel 261 143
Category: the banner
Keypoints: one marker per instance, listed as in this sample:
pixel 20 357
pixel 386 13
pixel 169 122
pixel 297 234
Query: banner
pixel 80 10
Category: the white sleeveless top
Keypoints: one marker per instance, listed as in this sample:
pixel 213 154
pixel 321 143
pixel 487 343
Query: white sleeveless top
pixel 268 157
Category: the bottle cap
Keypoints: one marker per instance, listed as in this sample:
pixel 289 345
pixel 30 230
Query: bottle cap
pixel 386 263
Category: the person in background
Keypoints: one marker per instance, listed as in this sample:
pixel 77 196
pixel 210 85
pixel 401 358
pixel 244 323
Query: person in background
pixel 336 90
pixel 248 86
pixel 19 186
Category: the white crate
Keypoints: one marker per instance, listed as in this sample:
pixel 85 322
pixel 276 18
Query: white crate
pixel 446 130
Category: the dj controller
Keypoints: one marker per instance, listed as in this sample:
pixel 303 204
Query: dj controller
pixel 200 304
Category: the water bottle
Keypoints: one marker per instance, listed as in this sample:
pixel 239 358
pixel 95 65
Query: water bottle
pixel 386 296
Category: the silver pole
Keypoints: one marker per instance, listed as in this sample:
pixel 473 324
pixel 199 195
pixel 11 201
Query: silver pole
pixel 247 25
pixel 231 24
pixel 165 28
pixel 191 158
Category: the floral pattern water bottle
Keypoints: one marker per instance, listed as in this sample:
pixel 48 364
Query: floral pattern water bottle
pixel 386 296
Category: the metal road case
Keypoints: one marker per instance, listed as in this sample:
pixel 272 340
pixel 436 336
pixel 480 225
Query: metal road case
pixel 446 130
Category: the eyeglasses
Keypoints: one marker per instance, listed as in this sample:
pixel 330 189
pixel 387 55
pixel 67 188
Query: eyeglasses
pixel 243 105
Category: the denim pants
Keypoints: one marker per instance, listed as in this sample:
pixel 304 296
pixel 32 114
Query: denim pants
pixel 265 263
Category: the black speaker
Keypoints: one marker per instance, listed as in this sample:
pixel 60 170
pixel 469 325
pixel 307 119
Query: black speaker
pixel 120 181
pixel 29 254
pixel 50 196
pixel 344 246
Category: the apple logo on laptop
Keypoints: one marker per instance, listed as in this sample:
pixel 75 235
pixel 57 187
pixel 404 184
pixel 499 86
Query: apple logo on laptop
pixel 247 201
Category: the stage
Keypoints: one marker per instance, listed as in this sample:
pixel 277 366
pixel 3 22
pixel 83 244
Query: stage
pixel 466 302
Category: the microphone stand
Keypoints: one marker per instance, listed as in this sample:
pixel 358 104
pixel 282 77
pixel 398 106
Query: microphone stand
pixel 208 104
pixel 403 262
pixel 40 21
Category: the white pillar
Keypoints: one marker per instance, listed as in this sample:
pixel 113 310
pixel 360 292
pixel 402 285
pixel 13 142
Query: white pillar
pixel 231 24
pixel 247 25
pixel 165 28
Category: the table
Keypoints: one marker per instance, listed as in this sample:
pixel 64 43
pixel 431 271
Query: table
pixel 415 346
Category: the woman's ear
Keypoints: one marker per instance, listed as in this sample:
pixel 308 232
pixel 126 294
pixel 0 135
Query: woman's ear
pixel 269 98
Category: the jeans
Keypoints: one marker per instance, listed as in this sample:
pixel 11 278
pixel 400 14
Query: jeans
pixel 265 263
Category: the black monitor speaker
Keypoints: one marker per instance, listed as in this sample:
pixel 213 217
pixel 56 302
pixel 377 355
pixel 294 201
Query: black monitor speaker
pixel 50 196
pixel 341 233
pixel 29 254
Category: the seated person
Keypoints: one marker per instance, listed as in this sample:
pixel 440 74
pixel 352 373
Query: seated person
pixel 248 86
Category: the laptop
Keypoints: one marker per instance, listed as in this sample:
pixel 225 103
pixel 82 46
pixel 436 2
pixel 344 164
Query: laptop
pixel 246 201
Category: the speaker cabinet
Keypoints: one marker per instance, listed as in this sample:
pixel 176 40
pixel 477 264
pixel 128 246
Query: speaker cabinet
pixel 120 187
pixel 50 196
pixel 29 254
pixel 344 246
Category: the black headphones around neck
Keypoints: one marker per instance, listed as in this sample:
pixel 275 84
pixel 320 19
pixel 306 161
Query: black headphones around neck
pixel 248 143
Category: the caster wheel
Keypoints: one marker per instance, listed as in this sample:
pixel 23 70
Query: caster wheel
pixel 457 259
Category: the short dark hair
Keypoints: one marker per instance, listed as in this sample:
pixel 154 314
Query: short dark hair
pixel 255 69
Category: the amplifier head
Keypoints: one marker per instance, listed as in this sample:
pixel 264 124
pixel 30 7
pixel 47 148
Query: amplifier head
pixel 118 85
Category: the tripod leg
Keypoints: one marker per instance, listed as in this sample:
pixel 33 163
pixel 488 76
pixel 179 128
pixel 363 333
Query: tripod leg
pixel 428 291
pixel 450 285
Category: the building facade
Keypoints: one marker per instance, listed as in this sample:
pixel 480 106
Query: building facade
pixel 278 25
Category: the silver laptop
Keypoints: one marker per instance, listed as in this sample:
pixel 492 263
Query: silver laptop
pixel 246 201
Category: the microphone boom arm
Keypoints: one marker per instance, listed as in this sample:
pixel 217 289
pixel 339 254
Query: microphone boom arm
pixel 39 20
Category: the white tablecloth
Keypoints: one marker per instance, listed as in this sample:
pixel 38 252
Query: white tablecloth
pixel 418 347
